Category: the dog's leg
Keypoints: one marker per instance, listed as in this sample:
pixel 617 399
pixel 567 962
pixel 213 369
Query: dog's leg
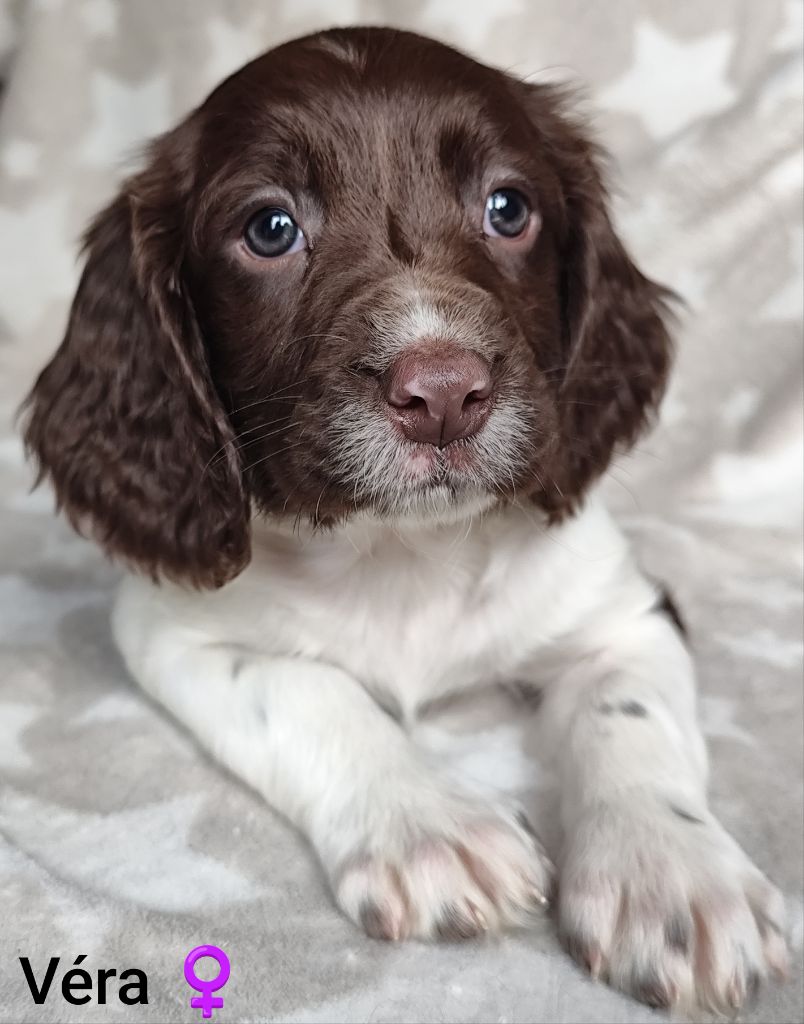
pixel 654 895
pixel 406 852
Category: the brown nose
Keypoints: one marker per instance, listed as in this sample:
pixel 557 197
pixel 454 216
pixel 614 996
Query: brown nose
pixel 439 397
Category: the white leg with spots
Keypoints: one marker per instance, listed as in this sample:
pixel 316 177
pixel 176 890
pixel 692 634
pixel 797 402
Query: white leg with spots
pixel 654 895
pixel 408 854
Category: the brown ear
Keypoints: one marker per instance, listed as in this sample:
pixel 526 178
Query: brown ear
pixel 124 420
pixel 617 347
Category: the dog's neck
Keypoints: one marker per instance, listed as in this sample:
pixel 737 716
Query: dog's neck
pixel 365 532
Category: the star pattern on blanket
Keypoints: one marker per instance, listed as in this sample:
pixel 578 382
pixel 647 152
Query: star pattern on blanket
pixel 672 84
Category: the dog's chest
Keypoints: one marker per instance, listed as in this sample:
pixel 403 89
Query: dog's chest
pixel 411 617
pixel 414 635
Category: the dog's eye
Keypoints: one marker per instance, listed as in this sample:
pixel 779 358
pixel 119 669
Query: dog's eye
pixel 507 213
pixel 273 232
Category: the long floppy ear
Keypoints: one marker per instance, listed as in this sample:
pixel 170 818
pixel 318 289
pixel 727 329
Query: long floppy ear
pixel 124 420
pixel 617 347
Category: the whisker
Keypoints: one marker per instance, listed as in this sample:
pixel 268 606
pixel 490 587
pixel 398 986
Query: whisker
pixel 262 437
pixel 323 334
pixel 234 442
pixel 273 455
pixel 318 504
pixel 289 496
pixel 263 401
pixel 272 396
pixel 613 476
pixel 257 426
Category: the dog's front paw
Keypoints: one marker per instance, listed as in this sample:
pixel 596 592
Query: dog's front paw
pixel 661 902
pixel 477 870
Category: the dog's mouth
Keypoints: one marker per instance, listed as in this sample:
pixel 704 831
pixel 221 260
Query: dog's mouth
pixel 377 469
pixel 427 465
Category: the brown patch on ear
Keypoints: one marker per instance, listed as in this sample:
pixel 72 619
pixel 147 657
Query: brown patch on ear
pixel 617 345
pixel 124 420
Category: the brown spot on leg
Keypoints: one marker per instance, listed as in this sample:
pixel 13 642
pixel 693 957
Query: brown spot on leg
pixel 667 606
pixel 678 934
pixel 529 694
pixel 584 951
pixel 456 925
pixel 524 823
pixel 685 815
pixel 654 990
pixel 374 923
pixel 634 708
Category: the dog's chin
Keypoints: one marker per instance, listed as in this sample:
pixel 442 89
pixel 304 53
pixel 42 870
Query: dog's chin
pixel 438 504
pixel 434 486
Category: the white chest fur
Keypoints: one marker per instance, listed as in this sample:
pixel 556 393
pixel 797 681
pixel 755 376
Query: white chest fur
pixel 412 612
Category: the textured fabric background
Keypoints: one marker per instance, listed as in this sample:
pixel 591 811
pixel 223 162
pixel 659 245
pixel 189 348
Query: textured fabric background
pixel 118 839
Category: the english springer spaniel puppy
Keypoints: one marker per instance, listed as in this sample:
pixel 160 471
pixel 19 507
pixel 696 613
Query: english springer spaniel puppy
pixel 345 363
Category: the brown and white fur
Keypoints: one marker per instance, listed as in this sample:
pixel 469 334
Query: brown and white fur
pixel 318 537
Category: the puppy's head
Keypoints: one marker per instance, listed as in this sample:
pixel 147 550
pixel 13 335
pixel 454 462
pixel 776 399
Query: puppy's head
pixel 367 273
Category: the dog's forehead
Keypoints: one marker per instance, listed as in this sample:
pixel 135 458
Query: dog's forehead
pixel 372 61
pixel 340 103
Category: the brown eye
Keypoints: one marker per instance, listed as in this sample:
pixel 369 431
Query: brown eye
pixel 507 214
pixel 273 232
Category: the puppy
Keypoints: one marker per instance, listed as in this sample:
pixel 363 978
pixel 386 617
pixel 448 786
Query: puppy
pixel 344 365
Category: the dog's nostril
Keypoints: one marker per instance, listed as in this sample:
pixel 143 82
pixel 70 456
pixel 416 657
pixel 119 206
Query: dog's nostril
pixel 405 398
pixel 478 395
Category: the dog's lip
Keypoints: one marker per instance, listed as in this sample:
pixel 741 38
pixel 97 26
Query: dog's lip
pixel 423 461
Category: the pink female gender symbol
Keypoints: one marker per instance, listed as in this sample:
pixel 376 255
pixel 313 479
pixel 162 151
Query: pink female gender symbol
pixel 207 1001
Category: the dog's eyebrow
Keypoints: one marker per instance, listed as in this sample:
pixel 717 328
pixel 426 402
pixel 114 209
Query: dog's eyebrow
pixel 469 154
pixel 466 151
pixel 287 158
pixel 457 154
pixel 229 192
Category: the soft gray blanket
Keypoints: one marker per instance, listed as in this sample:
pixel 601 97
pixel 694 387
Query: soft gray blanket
pixel 118 838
